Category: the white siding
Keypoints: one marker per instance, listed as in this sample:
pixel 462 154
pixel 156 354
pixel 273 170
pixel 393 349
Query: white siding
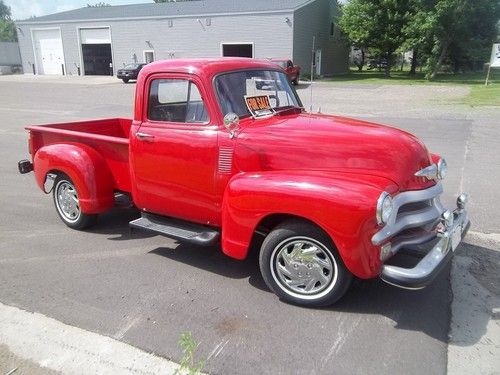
pixel 186 37
pixel 9 53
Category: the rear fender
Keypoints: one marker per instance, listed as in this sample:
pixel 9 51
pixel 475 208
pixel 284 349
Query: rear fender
pixel 343 205
pixel 86 168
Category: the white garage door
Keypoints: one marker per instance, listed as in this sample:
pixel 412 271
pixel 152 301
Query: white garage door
pixel 48 51
pixel 95 36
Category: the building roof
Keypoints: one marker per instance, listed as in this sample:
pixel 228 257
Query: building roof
pixel 171 9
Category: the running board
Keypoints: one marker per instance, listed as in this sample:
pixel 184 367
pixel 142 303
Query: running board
pixel 178 229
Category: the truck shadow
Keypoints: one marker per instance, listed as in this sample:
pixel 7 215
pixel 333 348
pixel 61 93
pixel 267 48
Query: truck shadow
pixel 427 310
pixel 114 224
pixel 213 260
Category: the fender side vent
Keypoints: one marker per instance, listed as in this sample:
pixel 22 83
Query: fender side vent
pixel 225 159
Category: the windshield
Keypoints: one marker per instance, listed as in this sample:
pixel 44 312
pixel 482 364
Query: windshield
pixel 283 64
pixel 235 91
pixel 131 66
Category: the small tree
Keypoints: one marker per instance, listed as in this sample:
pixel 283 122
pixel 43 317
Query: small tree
pixel 7 26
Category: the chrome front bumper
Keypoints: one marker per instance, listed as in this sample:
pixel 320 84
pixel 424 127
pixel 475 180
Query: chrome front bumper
pixel 451 232
pixel 430 222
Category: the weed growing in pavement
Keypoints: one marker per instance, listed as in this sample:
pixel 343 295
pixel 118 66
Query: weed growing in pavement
pixel 188 365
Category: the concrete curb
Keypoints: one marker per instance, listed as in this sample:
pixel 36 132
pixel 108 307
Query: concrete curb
pixel 71 350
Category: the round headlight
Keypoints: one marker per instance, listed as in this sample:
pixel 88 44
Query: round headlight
pixel 442 169
pixel 385 206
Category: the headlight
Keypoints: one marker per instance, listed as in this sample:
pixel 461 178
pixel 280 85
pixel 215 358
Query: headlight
pixel 442 169
pixel 385 206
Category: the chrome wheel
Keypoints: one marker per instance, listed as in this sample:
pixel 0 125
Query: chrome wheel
pixel 67 203
pixel 303 267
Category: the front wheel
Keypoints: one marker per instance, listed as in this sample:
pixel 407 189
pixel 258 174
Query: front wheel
pixel 299 262
pixel 68 205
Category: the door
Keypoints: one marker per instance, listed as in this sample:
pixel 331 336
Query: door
pixel 97 59
pixel 174 151
pixel 318 62
pixel 96 51
pixel 48 51
pixel 149 56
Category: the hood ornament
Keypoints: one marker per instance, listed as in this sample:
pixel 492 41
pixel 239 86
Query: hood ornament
pixel 429 172
pixel 434 171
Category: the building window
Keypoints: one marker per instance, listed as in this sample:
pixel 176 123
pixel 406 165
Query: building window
pixel 332 28
pixel 237 49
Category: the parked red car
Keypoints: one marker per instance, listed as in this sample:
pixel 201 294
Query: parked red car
pixel 292 70
pixel 221 150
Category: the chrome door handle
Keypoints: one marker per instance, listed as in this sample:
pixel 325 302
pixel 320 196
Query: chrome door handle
pixel 144 136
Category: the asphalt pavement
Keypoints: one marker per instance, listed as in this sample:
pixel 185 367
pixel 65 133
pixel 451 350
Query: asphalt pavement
pixel 146 290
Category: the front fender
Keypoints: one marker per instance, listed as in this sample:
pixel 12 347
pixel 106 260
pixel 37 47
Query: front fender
pixel 86 168
pixel 342 204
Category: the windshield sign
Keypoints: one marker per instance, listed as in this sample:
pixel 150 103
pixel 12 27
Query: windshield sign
pixel 255 93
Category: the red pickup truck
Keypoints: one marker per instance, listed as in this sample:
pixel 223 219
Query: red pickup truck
pixel 222 151
pixel 292 70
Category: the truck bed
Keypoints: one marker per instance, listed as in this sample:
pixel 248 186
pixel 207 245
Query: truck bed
pixel 109 137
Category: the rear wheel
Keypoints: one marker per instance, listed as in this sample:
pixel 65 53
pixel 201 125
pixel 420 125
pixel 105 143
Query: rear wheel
pixel 299 262
pixel 68 205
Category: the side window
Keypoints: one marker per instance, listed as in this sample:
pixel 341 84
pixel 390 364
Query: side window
pixel 176 100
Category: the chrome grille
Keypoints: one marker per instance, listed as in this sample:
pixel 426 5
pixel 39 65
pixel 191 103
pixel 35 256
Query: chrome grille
pixel 420 209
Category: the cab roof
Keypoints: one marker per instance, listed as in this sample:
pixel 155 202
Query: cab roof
pixel 208 66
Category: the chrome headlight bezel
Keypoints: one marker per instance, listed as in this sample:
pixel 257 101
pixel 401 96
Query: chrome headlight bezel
pixel 385 206
pixel 442 169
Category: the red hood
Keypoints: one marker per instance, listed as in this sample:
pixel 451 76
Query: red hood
pixel 331 143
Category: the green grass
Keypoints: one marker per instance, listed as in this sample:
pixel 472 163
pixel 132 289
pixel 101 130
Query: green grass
pixel 479 94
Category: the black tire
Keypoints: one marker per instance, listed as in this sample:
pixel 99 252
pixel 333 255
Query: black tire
pixel 64 194
pixel 125 80
pixel 333 278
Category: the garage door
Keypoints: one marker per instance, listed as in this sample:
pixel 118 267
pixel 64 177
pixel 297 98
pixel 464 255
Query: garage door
pixel 96 51
pixel 48 51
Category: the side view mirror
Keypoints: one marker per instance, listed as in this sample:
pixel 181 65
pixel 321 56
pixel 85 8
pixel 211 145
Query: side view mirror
pixel 231 122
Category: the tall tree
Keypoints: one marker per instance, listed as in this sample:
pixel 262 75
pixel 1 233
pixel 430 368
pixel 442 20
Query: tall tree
pixel 376 24
pixel 7 26
pixel 460 33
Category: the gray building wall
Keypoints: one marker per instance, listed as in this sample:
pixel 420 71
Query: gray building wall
pixel 9 54
pixel 314 20
pixel 187 37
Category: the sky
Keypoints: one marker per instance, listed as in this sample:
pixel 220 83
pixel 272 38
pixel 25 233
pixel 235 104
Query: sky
pixel 22 9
